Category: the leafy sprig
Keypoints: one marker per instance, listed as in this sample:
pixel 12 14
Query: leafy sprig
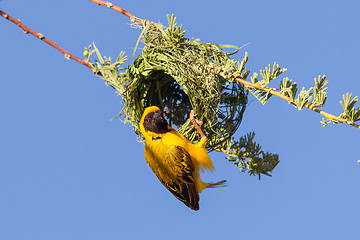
pixel 313 98
pixel 350 113
pixel 248 156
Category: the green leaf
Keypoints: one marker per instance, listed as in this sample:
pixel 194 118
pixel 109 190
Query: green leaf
pixel 98 54
pixel 230 46
pixel 319 91
pixel 288 88
pixel 303 98
pixel 350 113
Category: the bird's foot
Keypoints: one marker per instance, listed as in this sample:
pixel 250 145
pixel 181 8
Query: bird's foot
pixel 197 124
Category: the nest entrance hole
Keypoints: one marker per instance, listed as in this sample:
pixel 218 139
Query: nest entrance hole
pixel 165 93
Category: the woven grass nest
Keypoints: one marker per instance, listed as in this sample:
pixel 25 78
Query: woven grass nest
pixel 172 72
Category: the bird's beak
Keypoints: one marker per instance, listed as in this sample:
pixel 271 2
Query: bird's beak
pixel 158 118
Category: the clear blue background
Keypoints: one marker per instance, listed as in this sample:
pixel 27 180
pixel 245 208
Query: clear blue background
pixel 68 172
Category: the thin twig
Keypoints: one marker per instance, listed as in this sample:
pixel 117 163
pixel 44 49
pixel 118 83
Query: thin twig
pixel 120 10
pixel 223 150
pixel 41 37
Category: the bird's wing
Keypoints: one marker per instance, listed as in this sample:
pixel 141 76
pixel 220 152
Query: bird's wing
pixel 176 173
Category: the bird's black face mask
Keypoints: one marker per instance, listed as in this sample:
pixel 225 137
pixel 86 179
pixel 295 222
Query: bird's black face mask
pixel 155 122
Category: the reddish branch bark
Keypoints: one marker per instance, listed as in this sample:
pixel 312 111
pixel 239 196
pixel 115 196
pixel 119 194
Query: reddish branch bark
pixel 54 45
pixel 41 37
pixel 120 10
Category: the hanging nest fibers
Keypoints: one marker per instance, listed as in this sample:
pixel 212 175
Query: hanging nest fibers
pixel 172 72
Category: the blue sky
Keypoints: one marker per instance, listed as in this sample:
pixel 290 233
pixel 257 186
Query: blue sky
pixel 68 172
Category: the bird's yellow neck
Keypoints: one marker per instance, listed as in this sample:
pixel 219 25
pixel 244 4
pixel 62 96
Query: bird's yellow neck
pixel 149 135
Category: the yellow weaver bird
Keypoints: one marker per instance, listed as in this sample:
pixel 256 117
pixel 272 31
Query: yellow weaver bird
pixel 173 159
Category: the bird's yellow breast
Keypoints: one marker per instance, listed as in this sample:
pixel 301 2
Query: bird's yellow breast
pixel 158 146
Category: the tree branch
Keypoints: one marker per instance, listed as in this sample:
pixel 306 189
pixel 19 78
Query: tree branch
pixel 41 37
pixel 120 10
pixel 308 105
pixel 280 95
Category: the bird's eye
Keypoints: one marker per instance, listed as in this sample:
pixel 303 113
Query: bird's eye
pixel 147 120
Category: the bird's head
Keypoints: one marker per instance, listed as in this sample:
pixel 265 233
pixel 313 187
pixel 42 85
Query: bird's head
pixel 153 122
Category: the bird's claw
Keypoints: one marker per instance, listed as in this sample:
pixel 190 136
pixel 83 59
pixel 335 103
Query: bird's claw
pixel 192 118
pixel 197 124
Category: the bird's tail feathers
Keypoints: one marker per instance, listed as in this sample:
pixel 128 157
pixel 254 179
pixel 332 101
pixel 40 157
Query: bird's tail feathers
pixel 217 184
pixel 202 185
